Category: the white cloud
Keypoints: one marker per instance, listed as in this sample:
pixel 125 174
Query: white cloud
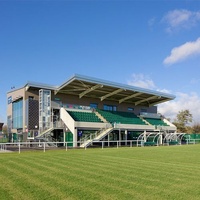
pixel 170 109
pixel 195 81
pixel 183 52
pixel 164 91
pixel 144 81
pixel 151 22
pixel 181 19
pixel 183 101
pixel 141 80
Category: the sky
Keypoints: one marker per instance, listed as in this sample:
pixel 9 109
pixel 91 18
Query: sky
pixel 145 43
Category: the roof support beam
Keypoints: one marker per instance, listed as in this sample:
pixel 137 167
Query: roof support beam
pixel 110 94
pixel 27 87
pixel 129 97
pixel 152 97
pixel 157 102
pixel 89 90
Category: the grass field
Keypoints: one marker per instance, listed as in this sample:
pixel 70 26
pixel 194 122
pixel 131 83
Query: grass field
pixel 170 172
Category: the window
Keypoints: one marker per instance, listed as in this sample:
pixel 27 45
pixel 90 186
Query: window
pixel 17 117
pixel 130 109
pixel 45 108
pixel 143 110
pixel 94 105
pixel 110 107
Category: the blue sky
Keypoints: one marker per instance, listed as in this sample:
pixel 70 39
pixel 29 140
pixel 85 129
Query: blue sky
pixel 151 44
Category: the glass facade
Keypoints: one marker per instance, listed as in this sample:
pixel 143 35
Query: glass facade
pixel 44 109
pixel 17 118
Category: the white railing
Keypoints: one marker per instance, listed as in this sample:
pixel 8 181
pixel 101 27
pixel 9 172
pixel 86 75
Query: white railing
pixel 3 147
pixel 27 146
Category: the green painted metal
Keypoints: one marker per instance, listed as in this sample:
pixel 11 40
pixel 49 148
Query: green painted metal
pixel 14 136
pixel 69 138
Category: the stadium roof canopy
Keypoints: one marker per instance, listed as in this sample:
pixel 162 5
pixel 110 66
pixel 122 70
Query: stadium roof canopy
pixel 84 86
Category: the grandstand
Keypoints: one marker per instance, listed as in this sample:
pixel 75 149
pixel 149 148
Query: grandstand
pixel 84 108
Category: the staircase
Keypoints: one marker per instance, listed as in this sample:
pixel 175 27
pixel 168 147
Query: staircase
pixel 49 141
pixel 96 137
pixel 45 132
pixel 45 136
pixel 100 117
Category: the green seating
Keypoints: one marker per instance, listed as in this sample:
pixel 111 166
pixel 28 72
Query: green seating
pixel 156 122
pixel 84 116
pixel 121 117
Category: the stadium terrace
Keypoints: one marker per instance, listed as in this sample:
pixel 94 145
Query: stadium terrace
pixel 84 111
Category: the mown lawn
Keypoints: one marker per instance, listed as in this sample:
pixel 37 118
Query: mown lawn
pixel 170 172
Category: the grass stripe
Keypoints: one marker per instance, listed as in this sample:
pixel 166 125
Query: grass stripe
pixel 124 173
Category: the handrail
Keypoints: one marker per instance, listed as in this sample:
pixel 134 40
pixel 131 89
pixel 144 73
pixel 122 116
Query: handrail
pixel 92 136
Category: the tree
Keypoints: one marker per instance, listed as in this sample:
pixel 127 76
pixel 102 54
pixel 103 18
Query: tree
pixel 196 128
pixel 5 129
pixel 183 119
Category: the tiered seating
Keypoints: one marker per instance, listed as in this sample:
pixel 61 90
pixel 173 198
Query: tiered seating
pixel 121 117
pixel 156 122
pixel 84 116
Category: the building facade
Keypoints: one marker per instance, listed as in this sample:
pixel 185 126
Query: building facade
pixel 58 113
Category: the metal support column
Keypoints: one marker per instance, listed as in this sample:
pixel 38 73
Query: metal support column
pixel 126 137
pixel 108 139
pixel 119 137
pixel 75 138
pixel 64 138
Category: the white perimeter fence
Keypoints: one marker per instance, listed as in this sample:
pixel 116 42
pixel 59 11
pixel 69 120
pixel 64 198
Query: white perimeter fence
pixel 18 146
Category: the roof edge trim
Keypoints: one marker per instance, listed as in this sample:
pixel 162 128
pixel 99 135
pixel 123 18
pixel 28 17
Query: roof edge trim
pixel 114 84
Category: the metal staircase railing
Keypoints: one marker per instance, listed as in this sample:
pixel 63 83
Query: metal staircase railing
pixel 48 131
pixel 46 134
pixel 49 141
pixel 95 136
